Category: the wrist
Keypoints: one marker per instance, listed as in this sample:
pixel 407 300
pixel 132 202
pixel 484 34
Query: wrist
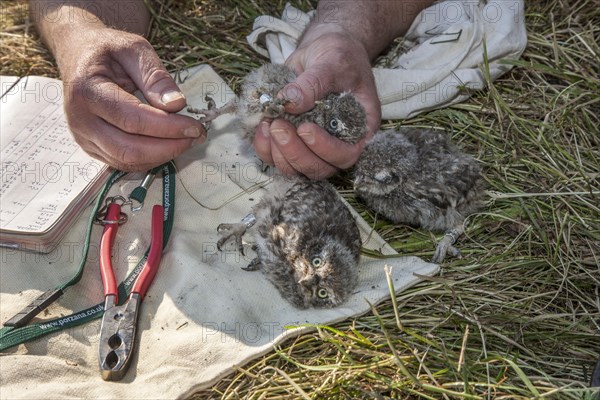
pixel 316 30
pixel 372 23
pixel 337 33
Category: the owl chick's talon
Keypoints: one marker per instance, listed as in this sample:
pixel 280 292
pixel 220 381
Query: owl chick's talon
pixel 210 102
pixel 212 111
pixel 253 266
pixel 272 108
pixel 264 167
pixel 444 249
pixel 445 246
pixel 195 110
pixel 228 231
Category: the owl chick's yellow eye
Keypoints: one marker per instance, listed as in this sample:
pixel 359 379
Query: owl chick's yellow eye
pixel 316 262
pixel 322 293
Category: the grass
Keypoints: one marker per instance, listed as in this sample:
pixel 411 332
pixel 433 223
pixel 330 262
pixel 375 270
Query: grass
pixel 519 316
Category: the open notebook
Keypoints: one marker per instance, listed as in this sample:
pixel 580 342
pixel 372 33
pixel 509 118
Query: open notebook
pixel 46 179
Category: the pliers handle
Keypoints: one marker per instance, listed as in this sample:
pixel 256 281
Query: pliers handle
pixel 111 221
pixel 118 329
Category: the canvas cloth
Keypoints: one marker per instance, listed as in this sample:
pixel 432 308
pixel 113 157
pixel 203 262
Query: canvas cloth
pixel 203 315
pixel 446 51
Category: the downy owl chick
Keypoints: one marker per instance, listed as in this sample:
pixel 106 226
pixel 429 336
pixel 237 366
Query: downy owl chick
pixel 340 114
pixel 306 240
pixel 417 177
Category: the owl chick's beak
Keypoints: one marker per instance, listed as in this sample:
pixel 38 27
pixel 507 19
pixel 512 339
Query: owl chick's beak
pixel 322 104
pixel 309 281
pixel 309 278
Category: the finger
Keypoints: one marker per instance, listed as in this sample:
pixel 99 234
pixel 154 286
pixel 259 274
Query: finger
pixel 336 152
pixel 367 97
pixel 287 145
pixel 281 163
pixel 262 143
pixel 129 152
pixel 150 76
pixel 129 114
pixel 311 85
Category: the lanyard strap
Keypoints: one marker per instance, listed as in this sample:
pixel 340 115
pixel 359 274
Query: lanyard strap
pixel 16 332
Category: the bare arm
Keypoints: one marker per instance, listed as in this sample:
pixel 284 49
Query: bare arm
pixel 373 23
pixel 53 18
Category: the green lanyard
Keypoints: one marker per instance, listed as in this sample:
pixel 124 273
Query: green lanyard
pixel 15 330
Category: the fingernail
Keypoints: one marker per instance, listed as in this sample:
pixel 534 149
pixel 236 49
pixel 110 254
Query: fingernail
pixel 292 93
pixel 171 96
pixel 264 128
pixel 192 131
pixel 199 140
pixel 282 136
pixel 308 137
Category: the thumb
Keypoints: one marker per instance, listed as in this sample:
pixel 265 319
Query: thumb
pixel 150 76
pixel 311 85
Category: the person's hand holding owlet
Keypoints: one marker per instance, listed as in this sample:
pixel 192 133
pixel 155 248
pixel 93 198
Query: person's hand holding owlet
pixel 340 114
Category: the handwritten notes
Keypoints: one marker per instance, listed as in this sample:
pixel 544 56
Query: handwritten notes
pixel 43 172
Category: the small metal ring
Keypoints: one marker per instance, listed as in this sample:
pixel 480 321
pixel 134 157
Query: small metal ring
pixel 453 235
pixel 122 219
pixel 114 199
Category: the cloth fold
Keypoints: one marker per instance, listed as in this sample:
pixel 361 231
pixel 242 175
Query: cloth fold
pixel 203 316
pixel 448 45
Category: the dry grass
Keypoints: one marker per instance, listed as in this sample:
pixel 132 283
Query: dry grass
pixel 519 315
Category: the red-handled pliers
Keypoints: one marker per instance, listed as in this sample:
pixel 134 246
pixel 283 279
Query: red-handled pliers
pixel 118 329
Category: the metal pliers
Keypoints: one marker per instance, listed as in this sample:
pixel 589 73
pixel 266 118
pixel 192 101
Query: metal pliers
pixel 118 329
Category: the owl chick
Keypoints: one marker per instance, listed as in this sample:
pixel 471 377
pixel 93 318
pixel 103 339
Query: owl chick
pixel 340 114
pixel 306 240
pixel 417 177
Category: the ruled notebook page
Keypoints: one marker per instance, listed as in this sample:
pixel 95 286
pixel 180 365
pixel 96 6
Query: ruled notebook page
pixel 43 171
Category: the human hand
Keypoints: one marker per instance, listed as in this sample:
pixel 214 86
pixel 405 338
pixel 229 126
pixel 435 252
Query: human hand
pixel 101 68
pixel 328 61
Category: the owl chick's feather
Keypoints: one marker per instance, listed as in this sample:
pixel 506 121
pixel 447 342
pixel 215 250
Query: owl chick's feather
pixel 306 240
pixel 340 114
pixel 417 177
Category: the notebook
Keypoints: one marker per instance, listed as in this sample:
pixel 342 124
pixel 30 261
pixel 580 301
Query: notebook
pixel 46 179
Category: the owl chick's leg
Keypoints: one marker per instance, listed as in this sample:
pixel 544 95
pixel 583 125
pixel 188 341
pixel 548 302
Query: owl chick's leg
pixel 445 246
pixel 229 231
pixel 272 108
pixel 236 231
pixel 212 111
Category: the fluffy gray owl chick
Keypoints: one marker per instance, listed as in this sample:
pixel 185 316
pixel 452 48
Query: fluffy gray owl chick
pixel 306 240
pixel 417 177
pixel 340 114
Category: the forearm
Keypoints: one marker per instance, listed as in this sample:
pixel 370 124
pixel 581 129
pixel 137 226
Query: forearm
pixel 374 23
pixel 56 20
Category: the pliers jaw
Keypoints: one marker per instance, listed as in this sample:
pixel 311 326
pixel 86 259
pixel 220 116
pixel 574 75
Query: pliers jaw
pixel 117 337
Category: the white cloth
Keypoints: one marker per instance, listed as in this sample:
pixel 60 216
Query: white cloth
pixel 446 52
pixel 203 316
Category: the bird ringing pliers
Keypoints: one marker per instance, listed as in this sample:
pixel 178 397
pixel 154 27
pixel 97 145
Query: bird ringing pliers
pixel 118 329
